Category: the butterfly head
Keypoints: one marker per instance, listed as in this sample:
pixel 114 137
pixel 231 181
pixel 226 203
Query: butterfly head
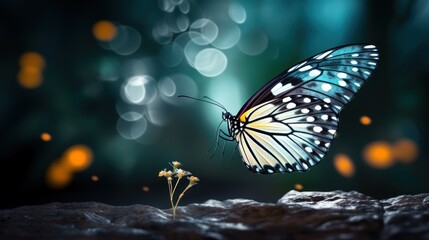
pixel 226 116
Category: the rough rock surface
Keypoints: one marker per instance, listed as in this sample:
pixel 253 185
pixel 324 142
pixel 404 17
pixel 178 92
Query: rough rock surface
pixel 297 215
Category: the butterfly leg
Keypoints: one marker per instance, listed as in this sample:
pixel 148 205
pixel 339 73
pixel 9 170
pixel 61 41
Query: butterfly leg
pixel 215 145
pixel 235 150
pixel 215 149
pixel 223 136
pixel 223 152
pixel 216 137
pixel 226 136
pixel 223 148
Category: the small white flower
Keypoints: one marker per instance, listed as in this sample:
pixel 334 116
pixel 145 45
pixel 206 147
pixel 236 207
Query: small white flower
pixel 180 173
pixel 161 173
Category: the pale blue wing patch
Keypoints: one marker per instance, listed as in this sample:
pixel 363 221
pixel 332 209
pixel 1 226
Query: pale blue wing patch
pixel 334 76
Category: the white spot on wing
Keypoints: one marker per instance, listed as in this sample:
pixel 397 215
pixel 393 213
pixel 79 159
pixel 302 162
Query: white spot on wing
pixel 341 75
pixel 324 117
pixel 355 55
pixel 323 55
pixel 374 54
pixel 296 66
pixel 372 63
pixel 287 99
pixel 310 119
pixel 327 100
pixel 307 100
pixel 326 87
pixel 332 131
pixel 308 149
pixel 277 90
pixel 342 83
pixel 276 87
pixel 318 107
pixel 314 73
pixel 305 68
pixel 354 62
pixel 369 46
pixel 290 105
pixel 355 69
pixel 305 110
pixel 317 129
pixel 305 165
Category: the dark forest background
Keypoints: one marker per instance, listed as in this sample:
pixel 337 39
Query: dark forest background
pixel 89 108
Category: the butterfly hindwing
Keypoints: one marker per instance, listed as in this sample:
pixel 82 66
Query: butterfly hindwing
pixel 293 135
pixel 288 125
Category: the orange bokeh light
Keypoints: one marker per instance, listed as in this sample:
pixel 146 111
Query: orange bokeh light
pixel 146 189
pixel 378 155
pixel 104 30
pixel 30 77
pixel 46 137
pixel 94 178
pixel 344 165
pixel 405 150
pixel 78 157
pixel 299 187
pixel 58 176
pixel 32 60
pixel 365 120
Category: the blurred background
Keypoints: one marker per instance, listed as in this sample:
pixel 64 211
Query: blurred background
pixel 89 108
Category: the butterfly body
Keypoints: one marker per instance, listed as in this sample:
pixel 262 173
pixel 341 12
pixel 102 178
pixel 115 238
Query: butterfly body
pixel 289 124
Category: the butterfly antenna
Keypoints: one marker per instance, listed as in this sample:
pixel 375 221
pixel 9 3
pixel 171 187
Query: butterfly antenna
pixel 211 99
pixel 206 101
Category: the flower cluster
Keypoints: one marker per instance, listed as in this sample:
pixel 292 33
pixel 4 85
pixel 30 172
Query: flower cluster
pixel 177 173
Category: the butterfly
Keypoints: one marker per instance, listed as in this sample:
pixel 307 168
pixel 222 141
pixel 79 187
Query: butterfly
pixel 288 124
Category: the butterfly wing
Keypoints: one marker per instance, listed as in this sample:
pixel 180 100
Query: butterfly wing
pixel 286 136
pixel 337 74
pixel 290 123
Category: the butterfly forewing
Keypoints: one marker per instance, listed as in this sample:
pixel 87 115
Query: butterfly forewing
pixel 290 122
pixel 334 75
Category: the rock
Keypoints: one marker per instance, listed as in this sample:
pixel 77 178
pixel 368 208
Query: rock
pixel 297 215
pixel 406 217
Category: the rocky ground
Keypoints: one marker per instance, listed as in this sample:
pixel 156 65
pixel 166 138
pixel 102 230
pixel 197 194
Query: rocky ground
pixel 297 215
